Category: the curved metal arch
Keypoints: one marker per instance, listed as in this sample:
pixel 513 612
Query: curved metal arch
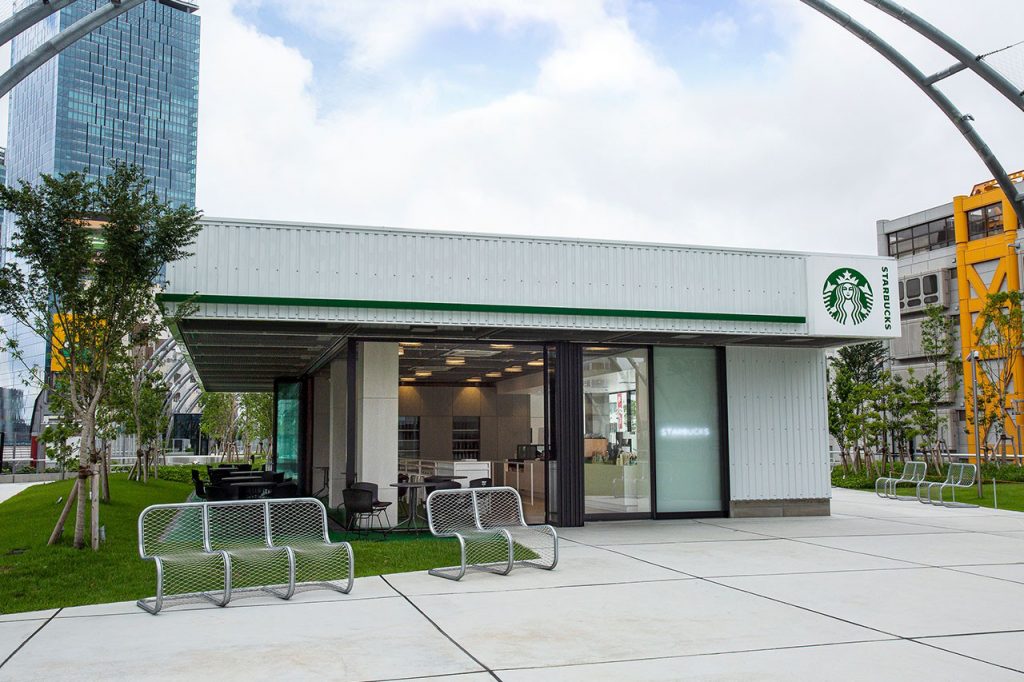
pixel 965 58
pixel 69 36
pixel 927 85
pixel 21 20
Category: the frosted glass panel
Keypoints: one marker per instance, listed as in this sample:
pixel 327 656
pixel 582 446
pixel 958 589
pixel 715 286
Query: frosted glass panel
pixel 686 430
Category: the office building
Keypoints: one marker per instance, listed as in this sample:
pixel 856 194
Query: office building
pixel 127 91
pixel 952 256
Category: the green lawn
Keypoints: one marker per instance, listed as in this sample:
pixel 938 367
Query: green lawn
pixel 1010 494
pixel 34 576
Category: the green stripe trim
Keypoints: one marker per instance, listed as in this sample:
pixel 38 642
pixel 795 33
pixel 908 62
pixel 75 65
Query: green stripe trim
pixel 477 308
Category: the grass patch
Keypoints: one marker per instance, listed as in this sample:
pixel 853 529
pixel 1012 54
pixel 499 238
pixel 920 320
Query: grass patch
pixel 34 576
pixel 1009 494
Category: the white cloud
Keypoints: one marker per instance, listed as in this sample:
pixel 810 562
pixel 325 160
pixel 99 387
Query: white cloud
pixel 721 29
pixel 607 142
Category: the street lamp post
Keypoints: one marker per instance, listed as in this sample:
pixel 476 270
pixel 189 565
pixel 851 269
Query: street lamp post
pixel 977 433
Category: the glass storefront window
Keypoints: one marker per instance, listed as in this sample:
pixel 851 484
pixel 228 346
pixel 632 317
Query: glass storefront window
pixel 687 434
pixel 287 435
pixel 616 445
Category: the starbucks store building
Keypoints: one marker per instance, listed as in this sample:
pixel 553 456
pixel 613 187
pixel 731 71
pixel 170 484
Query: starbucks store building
pixel 603 380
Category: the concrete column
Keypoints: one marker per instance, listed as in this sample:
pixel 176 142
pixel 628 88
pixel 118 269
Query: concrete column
pixel 321 430
pixel 338 433
pixel 377 418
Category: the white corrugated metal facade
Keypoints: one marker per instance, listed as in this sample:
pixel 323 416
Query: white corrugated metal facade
pixel 280 262
pixel 778 423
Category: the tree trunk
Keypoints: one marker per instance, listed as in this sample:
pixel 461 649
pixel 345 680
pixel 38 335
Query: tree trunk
pixel 144 460
pixel 59 528
pixel 106 475
pixel 79 542
pixel 100 462
pixel 95 508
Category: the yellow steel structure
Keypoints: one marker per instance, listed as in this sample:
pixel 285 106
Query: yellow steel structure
pixel 985 265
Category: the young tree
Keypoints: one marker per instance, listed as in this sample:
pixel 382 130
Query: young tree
pixel 219 420
pixel 941 347
pixel 139 397
pixel 256 422
pixel 854 372
pixel 82 266
pixel 999 348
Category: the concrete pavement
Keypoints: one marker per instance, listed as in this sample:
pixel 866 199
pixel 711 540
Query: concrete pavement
pixel 879 590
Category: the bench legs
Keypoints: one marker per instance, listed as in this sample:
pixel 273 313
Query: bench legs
pixel 490 551
pixel 183 579
pixel 536 546
pixel 269 569
pixel 318 566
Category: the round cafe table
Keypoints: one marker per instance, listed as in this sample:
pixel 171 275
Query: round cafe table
pixel 413 488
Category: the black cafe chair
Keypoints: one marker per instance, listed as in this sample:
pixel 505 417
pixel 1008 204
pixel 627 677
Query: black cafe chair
pixel 221 493
pixel 481 483
pixel 199 486
pixel 377 504
pixel 445 484
pixel 359 507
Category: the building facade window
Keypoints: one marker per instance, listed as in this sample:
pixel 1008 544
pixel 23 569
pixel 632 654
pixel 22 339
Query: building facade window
pixel 921 238
pixel 409 437
pixel 985 221
pixel 465 438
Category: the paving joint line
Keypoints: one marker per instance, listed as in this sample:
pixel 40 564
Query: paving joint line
pixel 702 654
pixel 968 656
pixel 957 569
pixel 29 638
pixel 233 606
pixel 828 615
pixel 420 677
pixel 553 587
pixel 451 639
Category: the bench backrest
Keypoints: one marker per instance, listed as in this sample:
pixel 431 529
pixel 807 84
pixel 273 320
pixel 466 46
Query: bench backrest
pixel 300 521
pixel 914 472
pixel 961 474
pixel 467 509
pixel 233 525
pixel 169 529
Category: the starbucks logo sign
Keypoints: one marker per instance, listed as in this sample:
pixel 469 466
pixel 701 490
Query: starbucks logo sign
pixel 847 296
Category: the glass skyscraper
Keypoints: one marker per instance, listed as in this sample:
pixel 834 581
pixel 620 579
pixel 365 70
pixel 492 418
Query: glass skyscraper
pixel 127 91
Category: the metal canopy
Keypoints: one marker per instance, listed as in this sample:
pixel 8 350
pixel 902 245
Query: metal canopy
pixel 241 355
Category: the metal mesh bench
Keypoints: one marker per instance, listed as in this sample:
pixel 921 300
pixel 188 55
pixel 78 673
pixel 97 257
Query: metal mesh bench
pixel 214 551
pixel 492 533
pixel 913 473
pixel 957 476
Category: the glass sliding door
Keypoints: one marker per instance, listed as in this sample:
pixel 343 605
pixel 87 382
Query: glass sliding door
pixel 287 427
pixel 616 442
pixel 687 430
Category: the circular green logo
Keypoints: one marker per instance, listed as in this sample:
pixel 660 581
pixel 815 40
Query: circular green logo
pixel 847 296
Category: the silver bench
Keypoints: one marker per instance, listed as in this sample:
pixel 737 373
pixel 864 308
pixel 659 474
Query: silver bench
pixel 215 551
pixel 957 476
pixel 913 473
pixel 492 534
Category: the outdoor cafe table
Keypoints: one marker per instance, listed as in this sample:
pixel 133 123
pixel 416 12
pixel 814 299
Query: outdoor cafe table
pixel 252 489
pixel 413 487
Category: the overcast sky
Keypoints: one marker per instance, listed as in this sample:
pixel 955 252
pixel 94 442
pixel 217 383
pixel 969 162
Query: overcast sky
pixel 751 123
